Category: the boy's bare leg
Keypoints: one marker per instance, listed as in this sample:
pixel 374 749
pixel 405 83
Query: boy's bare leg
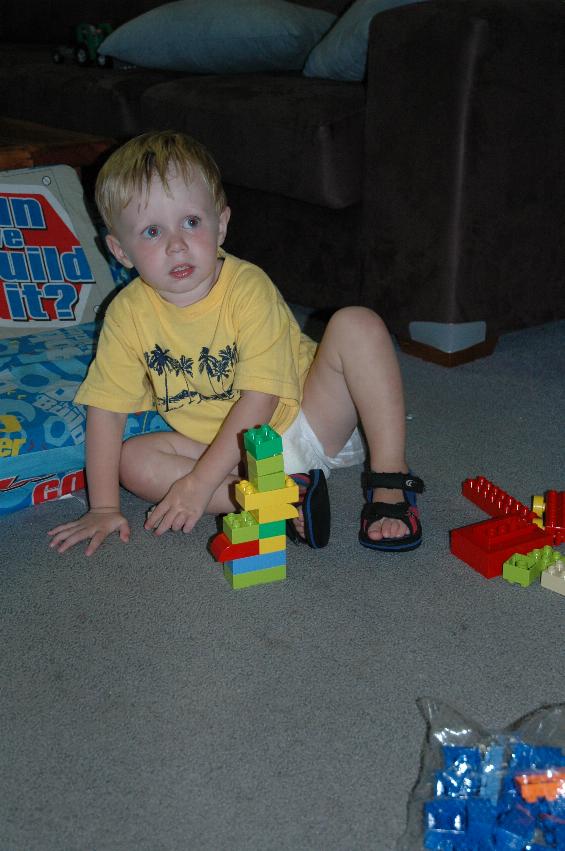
pixel 151 463
pixel 355 375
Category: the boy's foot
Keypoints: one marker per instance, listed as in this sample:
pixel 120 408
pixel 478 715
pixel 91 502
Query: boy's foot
pixel 390 518
pixel 387 527
pixel 312 526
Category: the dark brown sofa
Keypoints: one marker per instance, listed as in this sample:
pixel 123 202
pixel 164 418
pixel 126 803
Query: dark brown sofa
pixel 432 192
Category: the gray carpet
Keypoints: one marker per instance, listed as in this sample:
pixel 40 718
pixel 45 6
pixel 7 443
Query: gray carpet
pixel 147 707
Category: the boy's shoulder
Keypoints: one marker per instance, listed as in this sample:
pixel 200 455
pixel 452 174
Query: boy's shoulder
pixel 243 273
pixel 126 295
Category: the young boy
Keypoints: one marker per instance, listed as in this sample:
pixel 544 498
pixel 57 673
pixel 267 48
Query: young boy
pixel 208 340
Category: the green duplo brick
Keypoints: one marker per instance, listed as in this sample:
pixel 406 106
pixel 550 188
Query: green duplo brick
pixel 255 577
pixel 264 466
pixel 262 442
pixel 269 530
pixel 240 527
pixel 271 482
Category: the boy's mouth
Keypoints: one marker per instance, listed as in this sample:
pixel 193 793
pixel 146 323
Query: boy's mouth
pixel 182 271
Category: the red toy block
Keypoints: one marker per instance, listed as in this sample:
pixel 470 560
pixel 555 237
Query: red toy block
pixel 223 550
pixel 486 546
pixel 554 515
pixel 493 499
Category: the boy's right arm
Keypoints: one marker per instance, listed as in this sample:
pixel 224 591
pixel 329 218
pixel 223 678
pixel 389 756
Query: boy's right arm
pixel 104 435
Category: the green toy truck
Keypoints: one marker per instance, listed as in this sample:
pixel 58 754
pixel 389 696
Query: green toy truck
pixel 84 50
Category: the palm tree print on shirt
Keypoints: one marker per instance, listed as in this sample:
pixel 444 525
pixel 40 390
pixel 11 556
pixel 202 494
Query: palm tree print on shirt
pixel 219 371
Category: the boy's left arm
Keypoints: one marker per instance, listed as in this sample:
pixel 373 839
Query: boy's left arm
pixel 188 497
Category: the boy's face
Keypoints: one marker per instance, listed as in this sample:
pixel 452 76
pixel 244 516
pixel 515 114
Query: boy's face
pixel 172 238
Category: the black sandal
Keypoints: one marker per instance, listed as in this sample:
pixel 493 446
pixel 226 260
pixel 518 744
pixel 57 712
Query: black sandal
pixel 405 511
pixel 315 502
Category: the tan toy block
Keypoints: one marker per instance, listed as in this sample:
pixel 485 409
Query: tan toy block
pixel 554 577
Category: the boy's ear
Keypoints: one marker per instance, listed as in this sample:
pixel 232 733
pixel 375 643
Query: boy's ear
pixel 118 252
pixel 223 225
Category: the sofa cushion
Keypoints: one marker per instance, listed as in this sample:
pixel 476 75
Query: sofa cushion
pixel 93 100
pixel 342 53
pixel 278 133
pixel 220 36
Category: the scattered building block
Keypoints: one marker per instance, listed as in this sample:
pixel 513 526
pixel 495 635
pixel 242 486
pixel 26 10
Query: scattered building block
pixel 524 570
pixel 551 514
pixel 493 500
pixel 554 577
pixel 485 546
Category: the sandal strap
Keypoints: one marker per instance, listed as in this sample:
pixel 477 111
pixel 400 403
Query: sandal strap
pixel 400 481
pixel 376 510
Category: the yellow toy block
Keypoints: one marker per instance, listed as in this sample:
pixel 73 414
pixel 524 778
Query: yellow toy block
pixel 272 545
pixel 240 527
pixel 271 513
pixel 264 466
pixel 249 498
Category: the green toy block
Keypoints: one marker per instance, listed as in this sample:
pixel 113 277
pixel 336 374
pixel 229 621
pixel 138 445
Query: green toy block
pixel 271 482
pixel 240 527
pixel 255 577
pixel 524 570
pixel 268 530
pixel 264 466
pixel 262 442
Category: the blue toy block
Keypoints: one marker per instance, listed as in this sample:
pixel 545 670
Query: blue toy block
pixel 461 775
pixel 260 562
pixel 492 772
pixel 481 820
pixel 447 814
pixel 526 757
pixel 515 829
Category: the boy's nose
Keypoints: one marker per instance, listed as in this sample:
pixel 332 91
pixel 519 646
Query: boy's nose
pixel 177 242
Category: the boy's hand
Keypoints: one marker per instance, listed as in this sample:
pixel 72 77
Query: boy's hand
pixel 95 526
pixel 181 507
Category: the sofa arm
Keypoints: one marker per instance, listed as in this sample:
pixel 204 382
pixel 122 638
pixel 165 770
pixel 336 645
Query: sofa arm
pixel 465 155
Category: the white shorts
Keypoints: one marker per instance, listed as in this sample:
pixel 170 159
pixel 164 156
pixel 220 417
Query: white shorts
pixel 303 451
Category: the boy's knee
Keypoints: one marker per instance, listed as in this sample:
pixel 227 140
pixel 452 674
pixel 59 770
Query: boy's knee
pixel 358 319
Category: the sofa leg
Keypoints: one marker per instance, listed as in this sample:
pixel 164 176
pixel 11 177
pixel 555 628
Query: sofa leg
pixel 448 344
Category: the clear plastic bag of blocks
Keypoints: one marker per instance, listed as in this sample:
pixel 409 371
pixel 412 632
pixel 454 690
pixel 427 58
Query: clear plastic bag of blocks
pixel 488 790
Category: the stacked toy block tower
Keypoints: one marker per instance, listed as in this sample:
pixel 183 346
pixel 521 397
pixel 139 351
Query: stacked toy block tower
pixel 252 545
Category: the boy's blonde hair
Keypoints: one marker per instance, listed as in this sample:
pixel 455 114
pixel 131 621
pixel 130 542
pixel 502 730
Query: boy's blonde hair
pixel 129 170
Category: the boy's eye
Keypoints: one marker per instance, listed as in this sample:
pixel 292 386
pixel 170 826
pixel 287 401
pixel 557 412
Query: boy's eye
pixel 151 232
pixel 191 222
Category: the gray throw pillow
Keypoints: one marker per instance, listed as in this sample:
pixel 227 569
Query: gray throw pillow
pixel 220 36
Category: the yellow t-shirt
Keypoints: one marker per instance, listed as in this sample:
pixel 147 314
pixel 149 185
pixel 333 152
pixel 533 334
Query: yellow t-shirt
pixel 191 363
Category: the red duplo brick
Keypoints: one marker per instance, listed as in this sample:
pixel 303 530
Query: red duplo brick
pixel 223 550
pixel 486 546
pixel 493 500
